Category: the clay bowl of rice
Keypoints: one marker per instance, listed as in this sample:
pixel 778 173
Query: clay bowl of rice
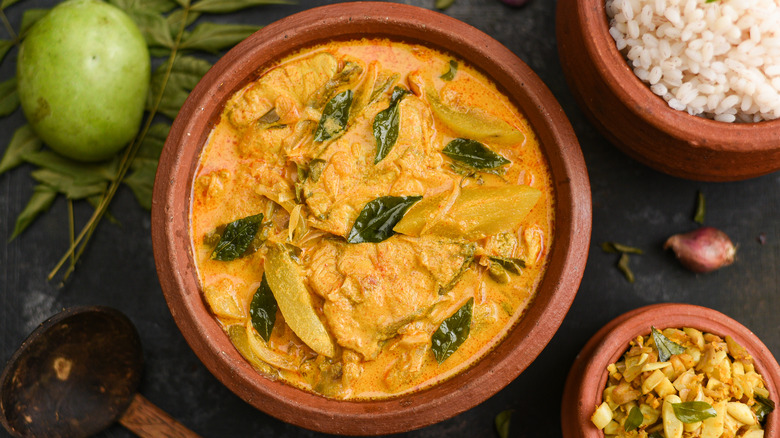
pixel 688 87
pixel 730 375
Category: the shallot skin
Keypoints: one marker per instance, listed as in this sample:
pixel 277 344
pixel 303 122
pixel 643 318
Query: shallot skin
pixel 703 250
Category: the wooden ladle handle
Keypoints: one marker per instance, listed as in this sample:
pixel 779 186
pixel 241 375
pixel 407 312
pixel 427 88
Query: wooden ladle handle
pixel 146 420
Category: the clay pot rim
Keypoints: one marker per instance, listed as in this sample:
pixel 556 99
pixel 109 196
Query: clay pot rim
pixel 588 376
pixel 506 361
pixel 699 132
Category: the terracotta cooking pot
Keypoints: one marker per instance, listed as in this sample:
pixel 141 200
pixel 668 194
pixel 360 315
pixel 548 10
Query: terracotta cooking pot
pixel 172 198
pixel 640 123
pixel 588 375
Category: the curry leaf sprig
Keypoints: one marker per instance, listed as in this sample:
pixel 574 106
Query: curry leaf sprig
pixel 172 33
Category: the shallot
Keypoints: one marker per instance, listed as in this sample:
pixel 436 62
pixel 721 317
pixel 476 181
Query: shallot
pixel 703 250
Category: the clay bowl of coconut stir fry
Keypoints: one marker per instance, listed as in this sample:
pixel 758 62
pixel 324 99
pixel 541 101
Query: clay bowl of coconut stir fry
pixel 370 217
pixel 672 370
pixel 688 87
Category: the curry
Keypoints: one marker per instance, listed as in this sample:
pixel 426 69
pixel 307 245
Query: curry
pixel 370 218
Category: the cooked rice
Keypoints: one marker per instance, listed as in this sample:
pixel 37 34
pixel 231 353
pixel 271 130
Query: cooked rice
pixel 719 60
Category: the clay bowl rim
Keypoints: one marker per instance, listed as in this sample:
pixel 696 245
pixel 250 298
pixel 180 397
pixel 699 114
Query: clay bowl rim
pixel 637 97
pixel 588 376
pixel 171 200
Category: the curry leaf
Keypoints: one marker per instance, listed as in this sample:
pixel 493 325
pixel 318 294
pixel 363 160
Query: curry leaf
pixel 185 74
pixel 450 74
pixel 154 27
pixel 655 435
pixel 763 407
pixel 236 238
pixel 376 221
pixel 144 166
pixel 473 154
pixel 634 420
pixel 693 411
pixel 452 332
pixel 68 185
pixel 24 141
pixel 176 17
pixel 39 202
pixel 158 6
pixel 225 6
pixel 263 310
pixel 334 116
pixel 617 248
pixel 502 422
pixel 9 97
pixel 386 125
pixel 30 17
pixel 666 347
pixel 212 37
pixel 141 182
pixel 698 215
pixel 7 3
pixel 5 46
pixel 513 265
pixel 83 173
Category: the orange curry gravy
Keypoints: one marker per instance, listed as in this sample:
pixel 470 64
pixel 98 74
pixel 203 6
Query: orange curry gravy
pixel 356 320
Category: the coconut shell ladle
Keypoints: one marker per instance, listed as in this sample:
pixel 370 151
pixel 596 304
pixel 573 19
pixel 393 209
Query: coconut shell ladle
pixel 76 375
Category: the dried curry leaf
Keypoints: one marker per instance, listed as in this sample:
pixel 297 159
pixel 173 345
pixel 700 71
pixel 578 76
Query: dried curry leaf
pixel 619 248
pixel 473 154
pixel 450 74
pixel 443 4
pixel 622 266
pixel 24 141
pixel 263 309
pixel 40 201
pixel 376 221
pixel 693 411
pixel 502 422
pixel 634 420
pixel 334 116
pixel 386 125
pixel 452 332
pixel 9 97
pixel 213 37
pixel 666 347
pixel 699 213
pixel 236 238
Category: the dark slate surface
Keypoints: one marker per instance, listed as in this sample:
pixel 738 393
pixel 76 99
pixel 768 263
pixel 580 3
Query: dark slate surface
pixel 632 204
